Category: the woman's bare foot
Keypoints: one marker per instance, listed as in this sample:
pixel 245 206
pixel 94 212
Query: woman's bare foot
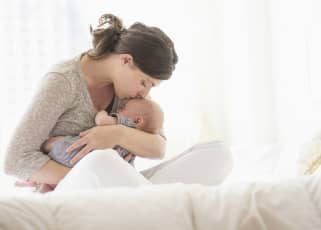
pixel 25 184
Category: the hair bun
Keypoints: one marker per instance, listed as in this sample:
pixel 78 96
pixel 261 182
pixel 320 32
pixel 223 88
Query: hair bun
pixel 112 20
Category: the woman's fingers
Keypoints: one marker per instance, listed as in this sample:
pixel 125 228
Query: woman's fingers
pixel 83 152
pixel 82 141
pixel 84 133
pixel 94 138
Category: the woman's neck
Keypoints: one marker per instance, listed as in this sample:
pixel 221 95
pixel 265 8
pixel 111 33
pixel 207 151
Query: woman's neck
pixel 94 71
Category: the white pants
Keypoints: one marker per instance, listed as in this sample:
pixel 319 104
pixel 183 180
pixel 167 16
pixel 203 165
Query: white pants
pixel 206 163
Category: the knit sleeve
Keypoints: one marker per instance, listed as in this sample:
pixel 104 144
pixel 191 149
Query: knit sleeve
pixel 23 156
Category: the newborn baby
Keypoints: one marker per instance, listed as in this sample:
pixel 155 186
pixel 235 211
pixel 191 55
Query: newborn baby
pixel 143 114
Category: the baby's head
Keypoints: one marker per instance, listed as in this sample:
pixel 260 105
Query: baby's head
pixel 146 114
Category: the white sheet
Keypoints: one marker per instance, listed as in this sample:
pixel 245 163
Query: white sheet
pixel 287 205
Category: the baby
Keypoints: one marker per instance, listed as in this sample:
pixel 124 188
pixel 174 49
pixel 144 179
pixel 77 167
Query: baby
pixel 143 114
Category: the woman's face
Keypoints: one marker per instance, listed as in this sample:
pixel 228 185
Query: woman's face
pixel 130 81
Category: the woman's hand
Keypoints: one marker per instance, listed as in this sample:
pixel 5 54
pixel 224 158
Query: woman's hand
pixel 98 137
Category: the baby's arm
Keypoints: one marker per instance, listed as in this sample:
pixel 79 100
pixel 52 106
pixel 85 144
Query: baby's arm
pixel 102 118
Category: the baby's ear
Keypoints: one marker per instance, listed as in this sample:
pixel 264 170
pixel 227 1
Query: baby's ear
pixel 138 120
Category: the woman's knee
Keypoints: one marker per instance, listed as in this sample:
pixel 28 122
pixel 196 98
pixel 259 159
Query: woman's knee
pixel 216 158
pixel 222 154
pixel 214 151
pixel 221 158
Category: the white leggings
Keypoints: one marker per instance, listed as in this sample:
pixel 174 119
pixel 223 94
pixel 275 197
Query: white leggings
pixel 206 163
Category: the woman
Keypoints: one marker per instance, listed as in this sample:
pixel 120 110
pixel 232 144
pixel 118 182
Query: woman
pixel 123 64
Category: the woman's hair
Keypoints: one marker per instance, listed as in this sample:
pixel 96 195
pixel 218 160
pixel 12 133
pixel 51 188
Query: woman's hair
pixel 152 50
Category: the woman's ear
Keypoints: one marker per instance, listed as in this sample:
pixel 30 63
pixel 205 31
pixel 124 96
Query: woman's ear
pixel 126 59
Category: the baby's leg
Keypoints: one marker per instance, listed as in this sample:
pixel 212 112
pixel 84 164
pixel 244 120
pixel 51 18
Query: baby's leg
pixel 47 146
pixel 59 154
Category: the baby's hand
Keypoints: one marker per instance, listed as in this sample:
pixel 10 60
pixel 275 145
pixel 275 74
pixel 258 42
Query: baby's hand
pixel 47 145
pixel 102 118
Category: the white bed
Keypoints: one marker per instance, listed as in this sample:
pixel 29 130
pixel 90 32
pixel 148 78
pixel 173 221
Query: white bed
pixel 241 203
pixel 287 204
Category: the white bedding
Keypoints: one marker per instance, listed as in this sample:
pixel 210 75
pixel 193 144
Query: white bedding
pixel 283 205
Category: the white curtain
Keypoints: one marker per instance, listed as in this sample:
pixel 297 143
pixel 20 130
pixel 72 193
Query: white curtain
pixel 270 77
pixel 248 70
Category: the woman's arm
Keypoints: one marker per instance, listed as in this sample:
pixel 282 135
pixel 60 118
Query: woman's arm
pixel 50 173
pixel 24 157
pixel 141 143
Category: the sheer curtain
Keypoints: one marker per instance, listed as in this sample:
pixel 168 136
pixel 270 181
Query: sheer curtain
pixel 271 72
pixel 248 70
pixel 270 81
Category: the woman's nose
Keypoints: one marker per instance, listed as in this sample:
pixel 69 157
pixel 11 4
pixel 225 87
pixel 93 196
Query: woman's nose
pixel 143 93
pixel 140 95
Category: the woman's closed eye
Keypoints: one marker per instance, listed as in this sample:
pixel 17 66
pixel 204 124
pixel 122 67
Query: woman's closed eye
pixel 143 82
pixel 147 84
